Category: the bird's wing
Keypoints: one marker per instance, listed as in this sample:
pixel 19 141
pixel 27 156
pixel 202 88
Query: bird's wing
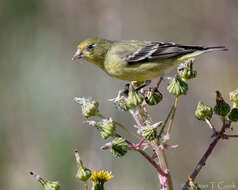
pixel 159 50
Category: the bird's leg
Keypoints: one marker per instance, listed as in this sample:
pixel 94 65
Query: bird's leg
pixel 125 91
pixel 158 83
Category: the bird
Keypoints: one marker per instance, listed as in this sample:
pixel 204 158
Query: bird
pixel 135 60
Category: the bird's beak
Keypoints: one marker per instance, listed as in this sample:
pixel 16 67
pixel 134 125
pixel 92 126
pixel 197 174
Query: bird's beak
pixel 77 55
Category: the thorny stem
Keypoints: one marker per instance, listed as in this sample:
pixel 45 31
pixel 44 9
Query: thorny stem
pixel 172 117
pixel 208 152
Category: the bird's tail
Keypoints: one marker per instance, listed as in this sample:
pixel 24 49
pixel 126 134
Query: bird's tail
pixel 216 48
pixel 200 50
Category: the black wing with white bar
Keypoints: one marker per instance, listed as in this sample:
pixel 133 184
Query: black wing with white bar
pixel 159 50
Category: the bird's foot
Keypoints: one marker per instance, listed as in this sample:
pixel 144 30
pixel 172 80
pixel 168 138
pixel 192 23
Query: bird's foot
pixel 141 84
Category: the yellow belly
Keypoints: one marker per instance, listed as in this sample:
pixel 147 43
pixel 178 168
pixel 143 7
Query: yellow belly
pixel 138 72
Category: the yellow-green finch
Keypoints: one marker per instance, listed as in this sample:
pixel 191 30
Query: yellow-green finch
pixel 137 60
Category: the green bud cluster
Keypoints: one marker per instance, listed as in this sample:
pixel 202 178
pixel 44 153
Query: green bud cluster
pixel 186 71
pixel 221 108
pixel 233 115
pixel 89 107
pixel 153 97
pixel 177 87
pixel 52 185
pixel 106 128
pixel 83 173
pixel 118 147
pixel 48 185
pixel 135 98
pixel 203 112
pixel 149 132
pixel 234 98
pixel 123 106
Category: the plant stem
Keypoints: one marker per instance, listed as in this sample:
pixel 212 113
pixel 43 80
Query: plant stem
pixel 136 119
pixel 228 136
pixel 86 186
pixel 205 156
pixel 120 125
pixel 165 122
pixel 152 162
pixel 139 145
pixel 165 181
pixel 147 157
pixel 172 117
pixel 211 126
pixel 127 130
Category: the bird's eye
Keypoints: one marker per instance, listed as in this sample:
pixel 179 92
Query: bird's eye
pixel 91 46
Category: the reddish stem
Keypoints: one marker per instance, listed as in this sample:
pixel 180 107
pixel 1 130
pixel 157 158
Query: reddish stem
pixel 139 145
pixel 205 156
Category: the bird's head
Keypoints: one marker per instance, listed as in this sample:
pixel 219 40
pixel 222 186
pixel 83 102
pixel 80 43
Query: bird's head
pixel 93 50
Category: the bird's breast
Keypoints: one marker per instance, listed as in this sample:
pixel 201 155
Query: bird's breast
pixel 118 68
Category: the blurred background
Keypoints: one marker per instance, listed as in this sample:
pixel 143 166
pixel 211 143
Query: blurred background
pixel 40 125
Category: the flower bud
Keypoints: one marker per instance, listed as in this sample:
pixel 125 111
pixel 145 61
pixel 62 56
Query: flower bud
pixel 149 132
pixel 221 108
pixel 153 97
pixel 118 147
pixel 234 98
pixel 233 115
pixel 203 112
pixel 48 185
pixel 123 106
pixel 135 98
pixel 186 71
pixel 106 128
pixel 89 107
pixel 120 102
pixel 177 86
pixel 83 174
pixel 52 185
pixel 99 178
